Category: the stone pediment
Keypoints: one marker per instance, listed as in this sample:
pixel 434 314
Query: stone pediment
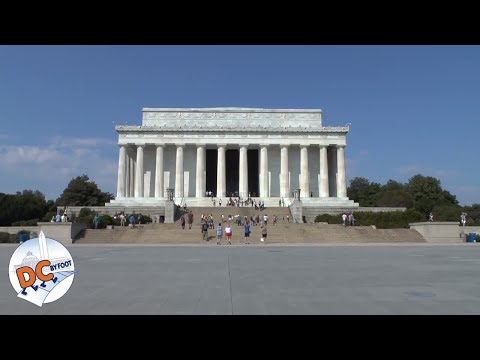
pixel 232 118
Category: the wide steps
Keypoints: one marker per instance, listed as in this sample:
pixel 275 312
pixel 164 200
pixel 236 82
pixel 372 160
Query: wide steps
pixel 281 233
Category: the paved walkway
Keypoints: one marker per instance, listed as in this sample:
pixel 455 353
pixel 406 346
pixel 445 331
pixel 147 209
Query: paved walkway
pixel 256 279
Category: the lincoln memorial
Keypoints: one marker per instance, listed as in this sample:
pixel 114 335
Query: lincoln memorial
pixel 264 153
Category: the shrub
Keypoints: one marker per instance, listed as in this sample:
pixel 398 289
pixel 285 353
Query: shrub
pixel 4 237
pixel 104 221
pixel 32 222
pixel 48 216
pixel 85 212
pixel 146 219
pixel 382 220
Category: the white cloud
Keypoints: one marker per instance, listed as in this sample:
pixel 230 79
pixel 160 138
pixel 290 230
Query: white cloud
pixel 68 142
pixel 50 168
pixel 413 169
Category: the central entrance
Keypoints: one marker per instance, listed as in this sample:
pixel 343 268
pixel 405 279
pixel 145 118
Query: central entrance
pixel 232 176
pixel 232 162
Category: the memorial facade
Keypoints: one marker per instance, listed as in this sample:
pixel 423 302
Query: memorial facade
pixel 265 153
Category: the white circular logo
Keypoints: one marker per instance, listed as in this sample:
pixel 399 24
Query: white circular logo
pixel 41 270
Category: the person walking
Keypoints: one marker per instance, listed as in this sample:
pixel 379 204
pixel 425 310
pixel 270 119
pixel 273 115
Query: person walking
pixel 264 233
pixel 182 221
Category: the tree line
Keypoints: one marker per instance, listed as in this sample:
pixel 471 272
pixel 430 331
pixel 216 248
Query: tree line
pixel 421 193
pixel 29 207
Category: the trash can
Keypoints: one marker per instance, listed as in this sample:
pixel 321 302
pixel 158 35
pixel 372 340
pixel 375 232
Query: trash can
pixel 472 237
pixel 22 238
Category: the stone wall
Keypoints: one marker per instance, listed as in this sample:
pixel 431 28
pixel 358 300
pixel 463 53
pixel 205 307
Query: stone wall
pixel 64 233
pixel 439 231
pixel 112 210
pixel 16 229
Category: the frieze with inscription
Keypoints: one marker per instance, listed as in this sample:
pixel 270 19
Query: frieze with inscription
pixel 232 119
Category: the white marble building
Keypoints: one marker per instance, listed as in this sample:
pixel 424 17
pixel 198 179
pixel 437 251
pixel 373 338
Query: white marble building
pixel 267 153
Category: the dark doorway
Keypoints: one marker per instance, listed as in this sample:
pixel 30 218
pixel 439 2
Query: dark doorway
pixel 232 158
pixel 211 170
pixel 252 158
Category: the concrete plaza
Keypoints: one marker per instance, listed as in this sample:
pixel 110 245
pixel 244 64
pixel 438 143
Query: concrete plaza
pixel 268 279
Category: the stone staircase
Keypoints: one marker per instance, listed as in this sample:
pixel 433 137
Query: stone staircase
pixel 207 202
pixel 282 233
pixel 217 211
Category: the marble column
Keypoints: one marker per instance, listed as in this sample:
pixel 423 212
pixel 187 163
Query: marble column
pixel 264 171
pixel 121 172
pixel 127 174
pixel 284 183
pixel 221 173
pixel 200 177
pixel 179 172
pixel 243 172
pixel 159 172
pixel 341 179
pixel 323 185
pixel 304 174
pixel 139 173
pixel 132 175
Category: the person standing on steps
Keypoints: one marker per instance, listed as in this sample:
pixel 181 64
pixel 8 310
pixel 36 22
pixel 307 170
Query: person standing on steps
pixel 247 232
pixel 190 219
pixel 228 233
pixel 219 233
pixel 96 220
pixel 205 231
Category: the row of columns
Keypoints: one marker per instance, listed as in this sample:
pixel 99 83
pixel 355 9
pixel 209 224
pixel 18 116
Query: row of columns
pixel 130 168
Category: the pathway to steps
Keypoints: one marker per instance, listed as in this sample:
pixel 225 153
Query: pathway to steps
pixel 237 280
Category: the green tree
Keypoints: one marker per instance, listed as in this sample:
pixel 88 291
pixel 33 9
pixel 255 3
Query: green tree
pixel 447 212
pixel 393 185
pixel 364 192
pixel 83 192
pixel 396 198
pixel 427 192
pixel 473 214
pixel 22 206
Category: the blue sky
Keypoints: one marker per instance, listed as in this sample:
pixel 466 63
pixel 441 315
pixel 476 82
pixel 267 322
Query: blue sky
pixel 413 109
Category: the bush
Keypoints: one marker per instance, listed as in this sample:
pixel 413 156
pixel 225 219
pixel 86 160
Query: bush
pixel 146 219
pixel 382 220
pixel 85 212
pixel 4 237
pixel 104 221
pixel 48 216
pixel 32 222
